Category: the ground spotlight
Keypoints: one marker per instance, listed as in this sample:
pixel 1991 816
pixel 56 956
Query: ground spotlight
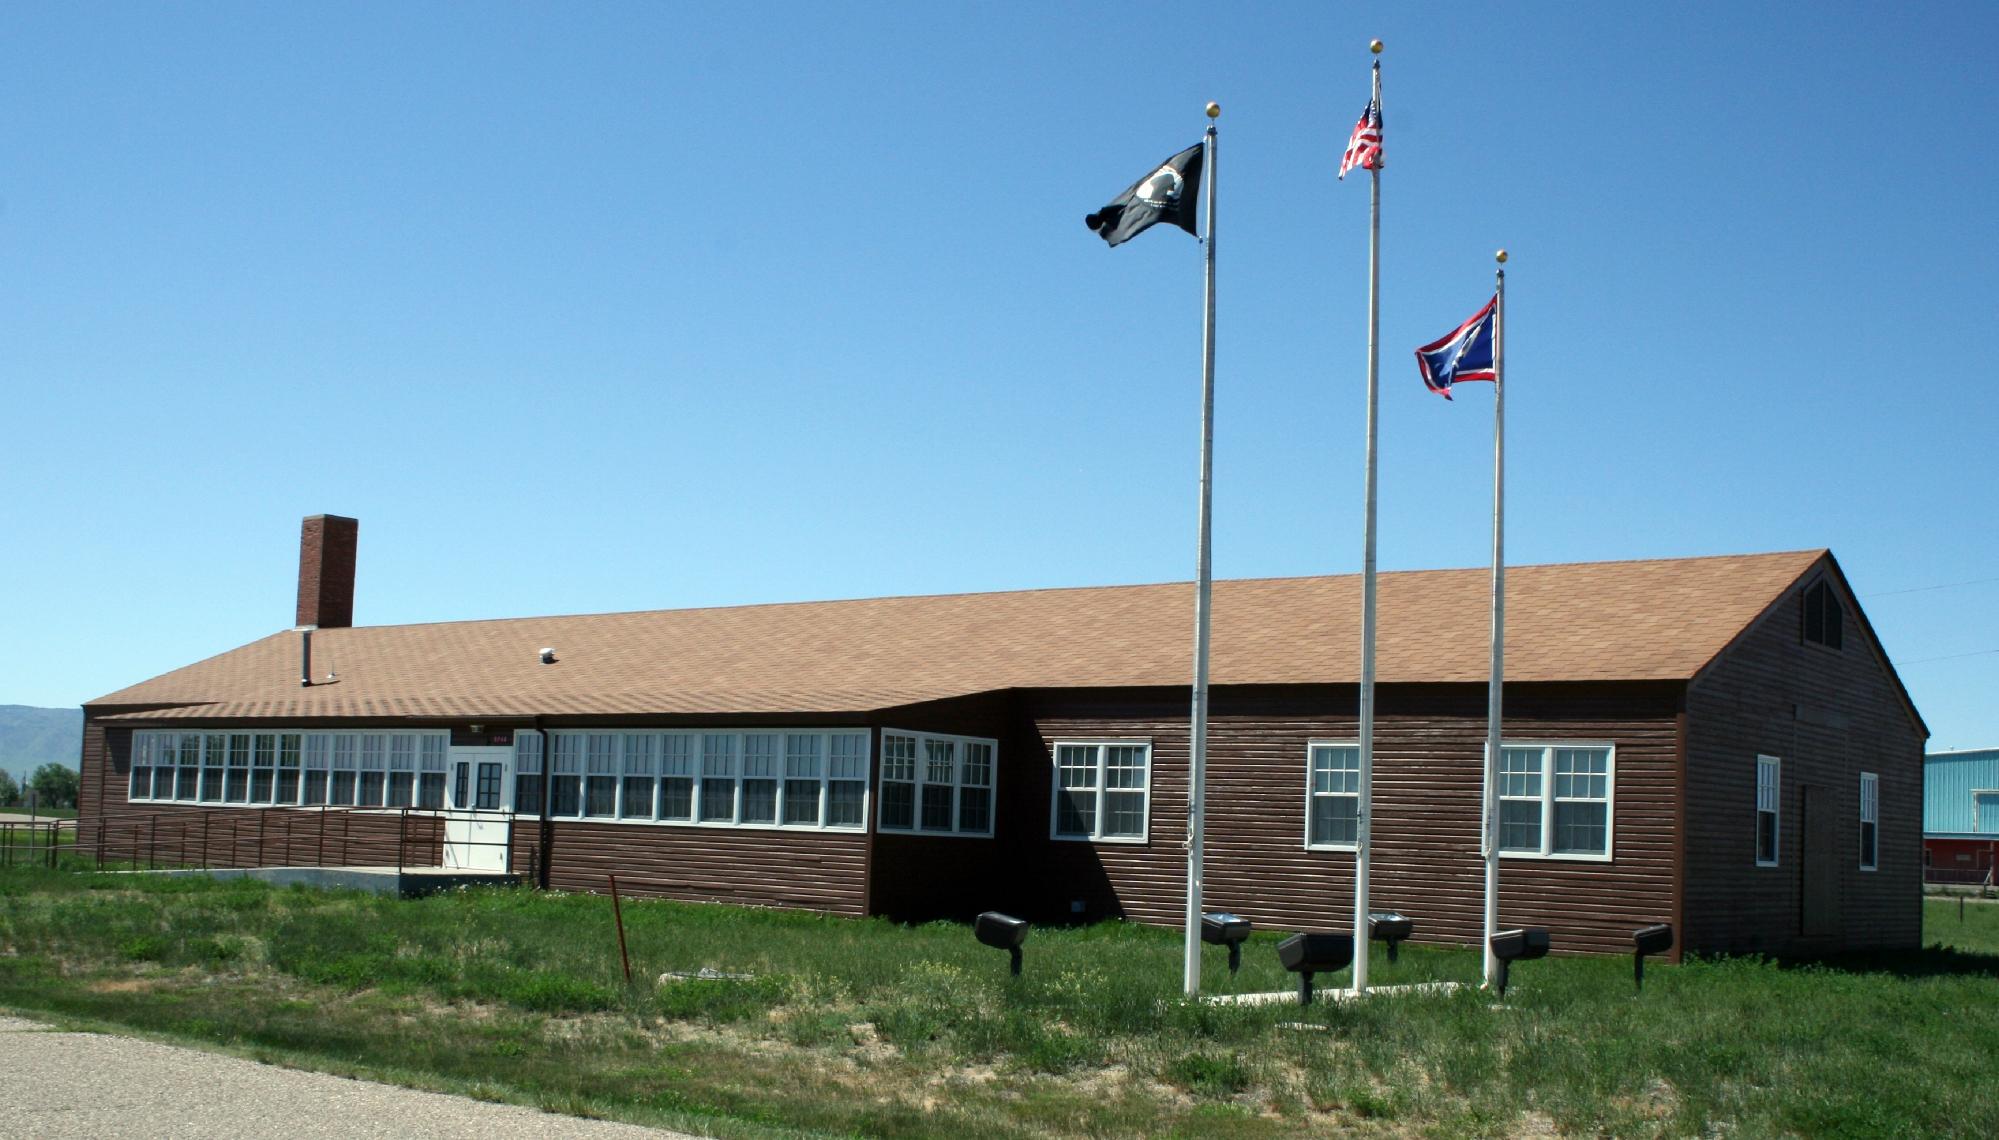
pixel 1309 954
pixel 1391 927
pixel 1228 930
pixel 1002 932
pixel 1510 946
pixel 1648 940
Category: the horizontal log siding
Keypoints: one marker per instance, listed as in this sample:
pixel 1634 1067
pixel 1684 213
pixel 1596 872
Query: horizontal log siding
pixel 761 867
pixel 1428 774
pixel 809 870
pixel 1827 715
pixel 916 878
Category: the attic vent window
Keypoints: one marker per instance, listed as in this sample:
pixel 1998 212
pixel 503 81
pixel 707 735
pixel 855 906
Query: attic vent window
pixel 1823 616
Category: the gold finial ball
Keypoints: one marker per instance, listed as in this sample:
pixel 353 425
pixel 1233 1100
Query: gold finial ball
pixel 1374 46
pixel 1500 257
pixel 1214 110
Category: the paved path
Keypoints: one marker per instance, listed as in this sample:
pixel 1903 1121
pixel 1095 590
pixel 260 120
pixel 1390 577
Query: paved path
pixel 88 1085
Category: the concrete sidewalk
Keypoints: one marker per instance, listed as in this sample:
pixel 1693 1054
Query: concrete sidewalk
pixel 87 1085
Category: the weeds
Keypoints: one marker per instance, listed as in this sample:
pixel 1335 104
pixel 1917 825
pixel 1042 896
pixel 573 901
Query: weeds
pixel 863 1027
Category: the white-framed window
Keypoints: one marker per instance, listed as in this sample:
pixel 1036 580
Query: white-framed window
pixel 346 769
pixel 402 770
pixel 1556 800
pixel 718 777
pixel 1769 801
pixel 288 770
pixel 1332 796
pixel 793 778
pixel 528 776
pixel 636 796
pixel 847 779
pixel 374 769
pixel 1870 821
pixel 1102 790
pixel 288 767
pixel 318 758
pixel 761 762
pixel 804 769
pixel 678 764
pixel 898 781
pixel 565 775
pixel 430 771
pixel 236 770
pixel 263 767
pixel 600 784
pixel 936 784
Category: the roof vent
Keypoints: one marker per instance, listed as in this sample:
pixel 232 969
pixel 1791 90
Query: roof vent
pixel 547 656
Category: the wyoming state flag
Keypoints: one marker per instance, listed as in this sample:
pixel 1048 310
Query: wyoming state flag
pixel 1464 354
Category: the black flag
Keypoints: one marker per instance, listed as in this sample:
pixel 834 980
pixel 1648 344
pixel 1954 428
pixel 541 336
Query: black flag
pixel 1168 194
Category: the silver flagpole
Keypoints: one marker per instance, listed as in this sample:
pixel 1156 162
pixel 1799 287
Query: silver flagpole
pixel 1197 748
pixel 1364 824
pixel 1492 697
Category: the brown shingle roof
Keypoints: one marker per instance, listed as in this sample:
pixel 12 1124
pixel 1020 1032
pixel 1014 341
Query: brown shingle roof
pixel 1595 621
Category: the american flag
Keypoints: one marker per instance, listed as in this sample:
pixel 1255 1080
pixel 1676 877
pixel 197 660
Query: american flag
pixel 1364 148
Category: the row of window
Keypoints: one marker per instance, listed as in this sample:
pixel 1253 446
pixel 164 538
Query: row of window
pixel 1769 809
pixel 347 769
pixel 756 779
pixel 1555 800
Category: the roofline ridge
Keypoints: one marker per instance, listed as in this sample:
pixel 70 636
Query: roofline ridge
pixel 949 594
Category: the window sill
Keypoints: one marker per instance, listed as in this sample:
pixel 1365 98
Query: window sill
pixel 1760 863
pixel 1120 840
pixel 708 825
pixel 1339 848
pixel 1557 857
pixel 922 833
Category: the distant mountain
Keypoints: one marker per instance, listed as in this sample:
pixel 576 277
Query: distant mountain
pixel 31 737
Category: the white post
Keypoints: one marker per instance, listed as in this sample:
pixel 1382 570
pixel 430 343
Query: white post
pixel 1490 841
pixel 1197 745
pixel 1364 824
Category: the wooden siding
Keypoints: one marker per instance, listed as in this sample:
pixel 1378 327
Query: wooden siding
pixel 159 834
pixel 809 870
pixel 1428 775
pixel 754 866
pixel 1827 715
pixel 915 878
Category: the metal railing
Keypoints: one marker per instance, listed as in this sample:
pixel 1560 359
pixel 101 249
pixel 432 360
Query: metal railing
pixel 328 836
pixel 1958 876
pixel 25 843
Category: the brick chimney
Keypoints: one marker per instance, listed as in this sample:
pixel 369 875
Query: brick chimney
pixel 326 571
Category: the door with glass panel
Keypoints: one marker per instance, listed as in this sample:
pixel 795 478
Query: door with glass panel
pixel 475 831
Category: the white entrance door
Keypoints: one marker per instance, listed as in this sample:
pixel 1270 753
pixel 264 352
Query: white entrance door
pixel 475 829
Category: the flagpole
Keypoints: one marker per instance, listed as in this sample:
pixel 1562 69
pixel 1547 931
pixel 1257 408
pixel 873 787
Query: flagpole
pixel 1197 747
pixel 1364 822
pixel 1492 698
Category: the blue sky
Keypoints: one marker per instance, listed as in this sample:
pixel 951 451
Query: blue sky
pixel 610 307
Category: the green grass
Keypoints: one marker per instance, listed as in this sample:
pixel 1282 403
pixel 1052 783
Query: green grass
pixel 861 1027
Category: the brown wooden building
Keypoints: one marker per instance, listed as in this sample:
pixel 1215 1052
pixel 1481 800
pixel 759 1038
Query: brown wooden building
pixel 1714 742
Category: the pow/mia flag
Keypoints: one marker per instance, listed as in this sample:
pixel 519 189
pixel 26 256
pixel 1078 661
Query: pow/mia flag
pixel 1168 194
